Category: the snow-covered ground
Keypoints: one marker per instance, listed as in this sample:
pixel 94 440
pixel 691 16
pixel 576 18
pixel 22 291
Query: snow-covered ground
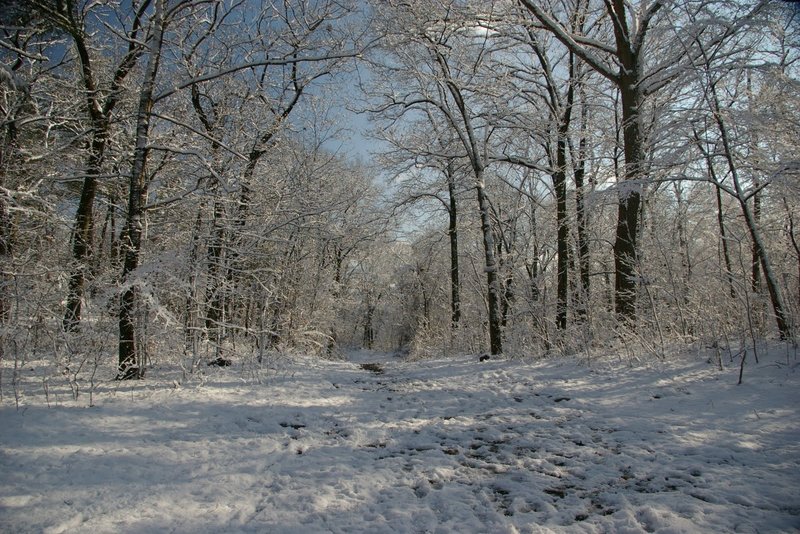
pixel 450 445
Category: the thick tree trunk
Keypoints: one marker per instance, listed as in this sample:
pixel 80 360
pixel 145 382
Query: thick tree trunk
pixel 129 364
pixel 83 232
pixel 452 232
pixel 99 113
pixel 82 241
pixel 562 244
pixel 495 329
pixel 627 76
pixel 630 194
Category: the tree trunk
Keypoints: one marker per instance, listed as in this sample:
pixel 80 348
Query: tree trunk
pixel 129 364
pixel 452 232
pixel 508 297
pixel 495 334
pixel 472 146
pixel 83 232
pixel 581 218
pixel 214 284
pixel 338 260
pixel 560 187
pixel 82 238
pixel 722 232
pixel 712 175
pixel 6 151
pixel 630 194
pixel 627 75
pixel 99 113
pixel 369 326
pixel 755 280
pixel 108 235
pixel 193 309
pixel 779 308
pixel 793 240
pixel 214 300
pixel 533 266
pixel 562 245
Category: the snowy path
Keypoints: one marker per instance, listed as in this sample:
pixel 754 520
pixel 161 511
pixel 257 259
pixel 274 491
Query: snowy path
pixel 440 446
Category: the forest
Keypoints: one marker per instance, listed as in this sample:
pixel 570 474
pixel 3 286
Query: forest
pixel 399 266
pixel 203 180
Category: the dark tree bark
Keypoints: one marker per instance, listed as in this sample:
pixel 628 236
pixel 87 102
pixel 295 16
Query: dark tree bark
pixel 445 86
pixel 129 364
pixel 793 240
pixel 724 239
pixel 562 240
pixel 9 156
pixel 215 287
pixel 99 112
pixel 581 217
pixel 561 117
pixel 532 266
pixel 630 194
pixel 626 73
pixel 452 233
pixel 82 236
pixel 755 278
pixel 369 320
pixel 463 126
pixel 495 328
pixel 562 233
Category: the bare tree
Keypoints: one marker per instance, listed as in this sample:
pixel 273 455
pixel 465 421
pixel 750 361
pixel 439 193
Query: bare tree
pixel 623 62
pixel 741 191
pixel 442 57
pixel 101 100
pixel 129 364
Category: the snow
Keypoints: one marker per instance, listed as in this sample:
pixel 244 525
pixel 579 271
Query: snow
pixel 449 445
